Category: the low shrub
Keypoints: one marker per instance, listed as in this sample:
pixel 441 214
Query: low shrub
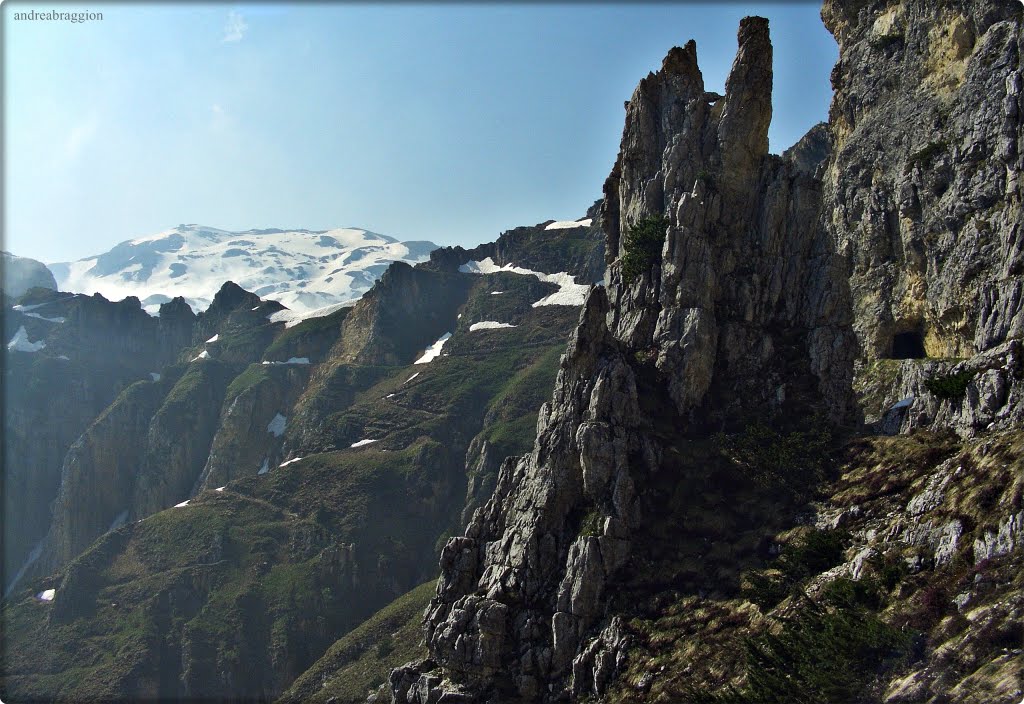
pixel 793 462
pixel 950 387
pixel 642 246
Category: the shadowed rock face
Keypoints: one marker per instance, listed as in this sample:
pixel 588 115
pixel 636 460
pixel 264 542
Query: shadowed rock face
pixel 94 348
pixel 769 288
pixel 744 269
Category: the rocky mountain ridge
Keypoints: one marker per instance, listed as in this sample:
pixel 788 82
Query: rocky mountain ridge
pixel 779 457
pixel 243 477
pixel 777 292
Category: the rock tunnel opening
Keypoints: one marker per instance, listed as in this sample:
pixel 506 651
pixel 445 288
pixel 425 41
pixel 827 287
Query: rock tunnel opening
pixel 908 345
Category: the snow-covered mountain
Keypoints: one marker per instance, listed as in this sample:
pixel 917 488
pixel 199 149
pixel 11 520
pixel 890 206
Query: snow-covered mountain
pixel 303 269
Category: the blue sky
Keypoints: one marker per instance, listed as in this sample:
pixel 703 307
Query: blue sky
pixel 448 122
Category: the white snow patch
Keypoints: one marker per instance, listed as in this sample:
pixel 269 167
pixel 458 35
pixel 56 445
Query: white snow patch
pixel 566 224
pixel 214 338
pixel 434 350
pixel 292 360
pixel 276 426
pixel 64 357
pixel 497 293
pixel 411 378
pixel 256 308
pixel 46 595
pixel 569 292
pixel 265 467
pixel 183 503
pixel 221 488
pixel 389 396
pixel 905 403
pixel 202 355
pixel 291 318
pixel 43 317
pixel 285 464
pixel 489 325
pixel 362 442
pixel 20 342
pixel 155 376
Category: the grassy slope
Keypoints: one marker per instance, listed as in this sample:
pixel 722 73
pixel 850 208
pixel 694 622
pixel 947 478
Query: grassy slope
pixel 792 633
pixel 360 661
pixel 249 586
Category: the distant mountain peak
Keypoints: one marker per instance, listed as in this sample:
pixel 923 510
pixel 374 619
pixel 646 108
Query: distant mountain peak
pixel 302 269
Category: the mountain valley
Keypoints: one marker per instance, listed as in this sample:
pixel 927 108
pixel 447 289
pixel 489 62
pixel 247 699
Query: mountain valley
pixel 750 430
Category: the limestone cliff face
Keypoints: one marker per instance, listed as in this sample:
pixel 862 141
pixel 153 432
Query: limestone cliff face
pixel 93 349
pixel 147 450
pixel 770 297
pixel 99 471
pixel 251 425
pixel 406 310
pixel 746 312
pixel 932 230
pixel 742 314
pixel 923 199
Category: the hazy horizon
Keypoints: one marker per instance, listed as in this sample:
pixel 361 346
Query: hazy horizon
pixel 449 123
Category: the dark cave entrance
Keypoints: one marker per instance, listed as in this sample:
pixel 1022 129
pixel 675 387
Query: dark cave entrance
pixel 908 345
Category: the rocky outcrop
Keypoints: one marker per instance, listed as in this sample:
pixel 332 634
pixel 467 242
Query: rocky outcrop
pixel 745 312
pixel 252 423
pixel 405 311
pixel 775 278
pixel 744 267
pixel 98 474
pixel 979 394
pixel 931 232
pixel 924 192
pixel 576 250
pixel 21 273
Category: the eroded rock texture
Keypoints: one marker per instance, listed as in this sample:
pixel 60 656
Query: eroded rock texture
pixel 893 231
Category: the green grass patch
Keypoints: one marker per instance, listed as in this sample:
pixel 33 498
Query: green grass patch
pixel 362 660
pixel 815 552
pixel 926 155
pixel 591 524
pixel 828 653
pixel 253 376
pixel 310 336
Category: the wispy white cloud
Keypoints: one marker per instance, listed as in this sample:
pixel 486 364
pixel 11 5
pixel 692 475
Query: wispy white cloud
pixel 219 118
pixel 235 27
pixel 80 135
